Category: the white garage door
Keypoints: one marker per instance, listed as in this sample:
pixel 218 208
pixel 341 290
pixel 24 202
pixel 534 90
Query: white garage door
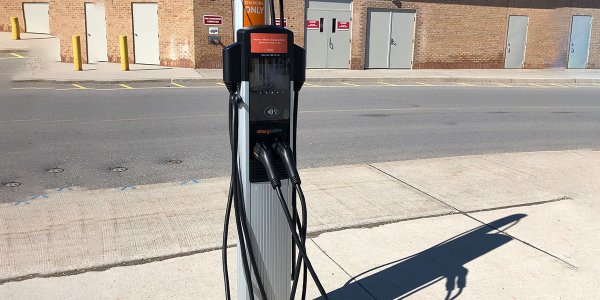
pixel 37 19
pixel 145 33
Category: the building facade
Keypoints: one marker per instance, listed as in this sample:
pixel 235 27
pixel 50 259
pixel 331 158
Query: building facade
pixel 355 34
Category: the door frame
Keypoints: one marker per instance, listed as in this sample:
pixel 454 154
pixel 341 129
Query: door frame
pixel 389 48
pixel 524 46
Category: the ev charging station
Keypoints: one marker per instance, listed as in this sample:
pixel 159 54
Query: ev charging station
pixel 264 71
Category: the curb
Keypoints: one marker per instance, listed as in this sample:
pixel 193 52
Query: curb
pixel 457 80
pixel 415 80
pixel 10 50
pixel 160 80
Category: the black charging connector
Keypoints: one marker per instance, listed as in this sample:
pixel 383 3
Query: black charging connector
pixel 265 156
pixel 287 156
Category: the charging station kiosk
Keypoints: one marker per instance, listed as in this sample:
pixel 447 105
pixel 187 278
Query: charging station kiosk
pixel 263 71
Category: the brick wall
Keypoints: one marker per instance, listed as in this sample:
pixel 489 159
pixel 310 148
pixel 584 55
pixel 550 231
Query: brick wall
pixel 208 55
pixel 449 34
pixel 9 8
pixel 472 33
pixel 176 29
pixel 67 18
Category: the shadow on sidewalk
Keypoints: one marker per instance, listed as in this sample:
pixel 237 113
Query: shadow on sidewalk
pixel 444 261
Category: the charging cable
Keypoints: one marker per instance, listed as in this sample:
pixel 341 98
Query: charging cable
pixel 264 154
pixel 236 197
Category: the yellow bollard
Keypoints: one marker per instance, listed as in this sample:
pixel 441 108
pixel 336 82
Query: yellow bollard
pixel 124 53
pixel 14 24
pixel 77 53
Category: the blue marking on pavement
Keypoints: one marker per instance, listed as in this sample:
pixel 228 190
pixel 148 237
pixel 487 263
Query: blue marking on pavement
pixel 64 189
pixel 129 187
pixel 22 202
pixel 191 181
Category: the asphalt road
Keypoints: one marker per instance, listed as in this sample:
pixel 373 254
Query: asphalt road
pixel 88 132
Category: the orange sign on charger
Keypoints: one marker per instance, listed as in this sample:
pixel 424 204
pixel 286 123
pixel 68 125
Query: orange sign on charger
pixel 254 12
pixel 268 43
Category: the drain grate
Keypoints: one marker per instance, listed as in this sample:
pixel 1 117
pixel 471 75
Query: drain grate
pixel 118 169
pixel 12 184
pixel 56 170
pixel 174 161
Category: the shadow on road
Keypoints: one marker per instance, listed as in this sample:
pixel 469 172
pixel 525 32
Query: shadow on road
pixel 444 261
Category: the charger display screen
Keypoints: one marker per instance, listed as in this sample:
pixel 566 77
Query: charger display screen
pixel 269 85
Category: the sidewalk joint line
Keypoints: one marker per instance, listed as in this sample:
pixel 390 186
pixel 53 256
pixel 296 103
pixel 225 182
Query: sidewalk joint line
pixel 104 267
pixel 577 152
pixel 344 270
pixel 466 214
pixel 503 165
pixel 416 188
pixel 519 205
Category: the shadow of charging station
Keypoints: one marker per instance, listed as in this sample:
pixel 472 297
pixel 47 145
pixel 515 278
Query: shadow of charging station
pixel 444 261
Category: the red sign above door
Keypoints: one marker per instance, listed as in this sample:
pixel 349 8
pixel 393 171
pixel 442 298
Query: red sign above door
pixel 213 20
pixel 312 24
pixel 278 22
pixel 343 26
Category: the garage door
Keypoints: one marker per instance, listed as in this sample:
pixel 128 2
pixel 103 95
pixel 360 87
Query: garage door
pixel 145 33
pixel 37 19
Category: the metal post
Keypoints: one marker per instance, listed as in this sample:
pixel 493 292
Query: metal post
pixel 77 65
pixel 124 53
pixel 14 24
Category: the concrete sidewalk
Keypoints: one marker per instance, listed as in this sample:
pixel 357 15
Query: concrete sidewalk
pixel 520 225
pixel 42 64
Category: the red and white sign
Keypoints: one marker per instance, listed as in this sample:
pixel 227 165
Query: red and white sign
pixel 312 24
pixel 268 43
pixel 278 22
pixel 343 26
pixel 213 20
